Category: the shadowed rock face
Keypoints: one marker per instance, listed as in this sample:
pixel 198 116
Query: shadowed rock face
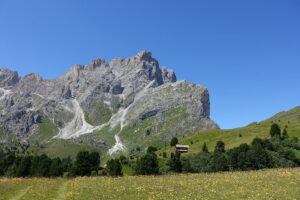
pixel 126 91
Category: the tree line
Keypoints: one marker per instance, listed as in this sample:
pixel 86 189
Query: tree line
pixel 278 151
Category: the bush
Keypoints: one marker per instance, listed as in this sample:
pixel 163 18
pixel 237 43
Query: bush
pixel 147 165
pixel 114 168
pixel 151 149
pixel 201 163
pixel 186 165
pixel 123 160
pixel 219 162
pixel 94 173
pixel 67 175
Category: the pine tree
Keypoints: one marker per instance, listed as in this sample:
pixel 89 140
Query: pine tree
pixel 204 148
pixel 275 130
pixel 220 147
pixel 56 168
pixel 94 158
pixel 284 134
pixel 82 164
pixel 174 141
pixel 175 163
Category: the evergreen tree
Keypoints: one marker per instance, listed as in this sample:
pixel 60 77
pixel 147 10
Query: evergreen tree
pixel 238 158
pixel 2 171
pixel 204 148
pixel 94 161
pixel 148 165
pixel 275 131
pixel 82 166
pixel 220 147
pixel 23 167
pixel 114 167
pixel 67 164
pixel 174 141
pixel 34 167
pixel 186 165
pixel 56 168
pixel 259 157
pixel 284 134
pixel 219 162
pixel 6 162
pixel 44 166
pixel 174 163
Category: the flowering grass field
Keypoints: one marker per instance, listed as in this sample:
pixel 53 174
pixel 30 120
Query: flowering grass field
pixel 266 184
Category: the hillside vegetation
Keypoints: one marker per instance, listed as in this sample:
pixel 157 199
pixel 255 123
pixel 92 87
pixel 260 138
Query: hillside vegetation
pixel 234 137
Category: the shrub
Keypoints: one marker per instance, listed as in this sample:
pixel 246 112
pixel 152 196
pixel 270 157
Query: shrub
pixel 114 168
pixel 147 165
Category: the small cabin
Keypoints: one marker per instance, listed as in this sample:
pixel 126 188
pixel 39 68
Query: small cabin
pixel 182 148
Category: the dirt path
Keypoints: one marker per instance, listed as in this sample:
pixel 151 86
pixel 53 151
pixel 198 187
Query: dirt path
pixel 21 193
pixel 62 191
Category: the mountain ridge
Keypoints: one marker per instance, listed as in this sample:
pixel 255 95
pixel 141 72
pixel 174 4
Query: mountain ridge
pixel 102 102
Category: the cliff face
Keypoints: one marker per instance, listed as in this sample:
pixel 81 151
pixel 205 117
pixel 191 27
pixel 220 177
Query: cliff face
pixel 115 105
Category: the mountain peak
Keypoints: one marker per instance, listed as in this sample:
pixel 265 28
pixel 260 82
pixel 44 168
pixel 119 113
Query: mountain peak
pixel 144 55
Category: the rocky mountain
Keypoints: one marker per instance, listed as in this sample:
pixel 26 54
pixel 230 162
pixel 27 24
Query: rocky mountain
pixel 115 106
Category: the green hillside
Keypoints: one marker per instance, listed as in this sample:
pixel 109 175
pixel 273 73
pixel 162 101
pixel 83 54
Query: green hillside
pixel 234 137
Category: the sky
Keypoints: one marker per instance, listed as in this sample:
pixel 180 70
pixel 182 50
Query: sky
pixel 247 53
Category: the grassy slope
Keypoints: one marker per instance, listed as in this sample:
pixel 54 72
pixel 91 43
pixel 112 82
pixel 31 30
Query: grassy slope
pixel 156 130
pixel 42 142
pixel 45 132
pixel 64 148
pixel 135 136
pixel 237 185
pixel 99 114
pixel 235 137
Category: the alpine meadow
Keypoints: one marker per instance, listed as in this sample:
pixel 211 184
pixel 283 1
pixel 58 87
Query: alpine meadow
pixel 168 100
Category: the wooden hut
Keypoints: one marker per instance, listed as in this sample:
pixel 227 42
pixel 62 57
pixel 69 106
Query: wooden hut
pixel 182 148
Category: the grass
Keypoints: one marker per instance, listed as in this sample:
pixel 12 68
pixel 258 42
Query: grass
pixel 64 148
pixel 46 130
pixel 234 137
pixel 266 184
pixel 155 130
pixel 99 114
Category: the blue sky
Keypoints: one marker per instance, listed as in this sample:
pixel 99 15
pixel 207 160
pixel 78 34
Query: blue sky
pixel 246 52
